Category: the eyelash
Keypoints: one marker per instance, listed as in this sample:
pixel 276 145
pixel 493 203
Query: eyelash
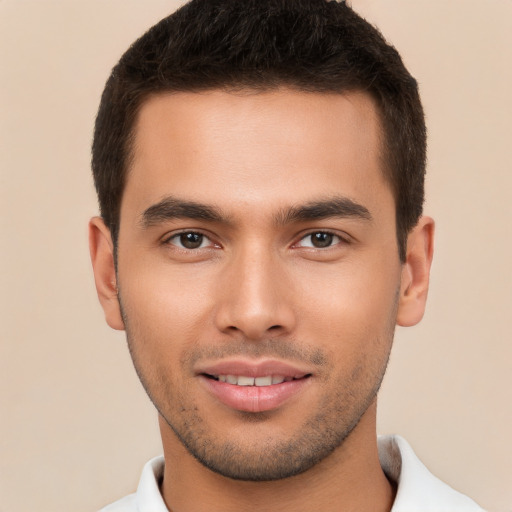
pixel 176 236
pixel 337 239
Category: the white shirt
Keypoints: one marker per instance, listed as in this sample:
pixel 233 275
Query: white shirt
pixel 417 489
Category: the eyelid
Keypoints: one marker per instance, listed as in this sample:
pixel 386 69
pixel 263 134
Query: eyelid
pixel 168 237
pixel 343 239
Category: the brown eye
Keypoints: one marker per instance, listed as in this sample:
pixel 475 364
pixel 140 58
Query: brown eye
pixel 189 240
pixel 319 240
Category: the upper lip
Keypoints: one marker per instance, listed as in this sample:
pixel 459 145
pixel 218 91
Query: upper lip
pixel 260 368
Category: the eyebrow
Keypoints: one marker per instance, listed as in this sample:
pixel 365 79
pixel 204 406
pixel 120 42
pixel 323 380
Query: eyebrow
pixel 334 207
pixel 171 208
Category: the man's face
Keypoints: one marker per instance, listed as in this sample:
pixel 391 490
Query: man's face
pixel 258 273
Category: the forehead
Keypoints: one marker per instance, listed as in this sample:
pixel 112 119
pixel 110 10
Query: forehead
pixel 232 148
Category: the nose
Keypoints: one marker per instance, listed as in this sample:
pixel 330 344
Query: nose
pixel 255 298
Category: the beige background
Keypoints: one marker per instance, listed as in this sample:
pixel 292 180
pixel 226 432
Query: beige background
pixel 75 425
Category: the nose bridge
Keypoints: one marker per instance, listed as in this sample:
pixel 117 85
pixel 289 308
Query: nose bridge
pixel 255 299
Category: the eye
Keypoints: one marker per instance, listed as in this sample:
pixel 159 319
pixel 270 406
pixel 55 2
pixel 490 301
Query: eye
pixel 319 240
pixel 189 240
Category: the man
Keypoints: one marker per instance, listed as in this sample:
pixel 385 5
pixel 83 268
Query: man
pixel 259 166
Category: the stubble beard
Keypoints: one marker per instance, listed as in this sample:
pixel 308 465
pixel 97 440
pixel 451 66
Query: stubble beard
pixel 272 459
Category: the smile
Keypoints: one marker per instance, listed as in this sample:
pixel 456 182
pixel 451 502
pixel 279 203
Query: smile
pixel 255 393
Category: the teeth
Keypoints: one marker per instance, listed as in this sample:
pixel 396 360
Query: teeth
pixel 245 381
pixel 231 379
pixel 263 381
pixel 242 380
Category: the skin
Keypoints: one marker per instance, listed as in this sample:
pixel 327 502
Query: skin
pixel 257 288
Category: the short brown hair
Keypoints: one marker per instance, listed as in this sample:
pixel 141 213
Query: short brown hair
pixel 308 45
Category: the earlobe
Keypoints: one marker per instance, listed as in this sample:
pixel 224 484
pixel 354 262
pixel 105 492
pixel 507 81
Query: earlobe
pixel 102 257
pixel 416 273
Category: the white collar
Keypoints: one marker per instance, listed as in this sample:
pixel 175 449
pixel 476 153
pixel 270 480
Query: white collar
pixel 418 490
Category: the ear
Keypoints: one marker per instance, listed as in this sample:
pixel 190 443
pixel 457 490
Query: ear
pixel 416 273
pixel 101 248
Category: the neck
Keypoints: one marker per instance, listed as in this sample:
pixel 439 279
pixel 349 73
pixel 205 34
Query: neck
pixel 351 478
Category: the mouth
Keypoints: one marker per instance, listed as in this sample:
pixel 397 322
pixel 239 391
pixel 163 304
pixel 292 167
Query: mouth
pixel 251 386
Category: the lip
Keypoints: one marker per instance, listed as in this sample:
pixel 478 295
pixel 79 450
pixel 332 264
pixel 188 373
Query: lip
pixel 254 398
pixel 253 368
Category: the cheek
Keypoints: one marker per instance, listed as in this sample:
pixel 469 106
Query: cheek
pixel 356 296
pixel 159 321
pixel 163 307
pixel 351 312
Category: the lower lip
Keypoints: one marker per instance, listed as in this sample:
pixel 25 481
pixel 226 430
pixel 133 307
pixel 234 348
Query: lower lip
pixel 254 398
